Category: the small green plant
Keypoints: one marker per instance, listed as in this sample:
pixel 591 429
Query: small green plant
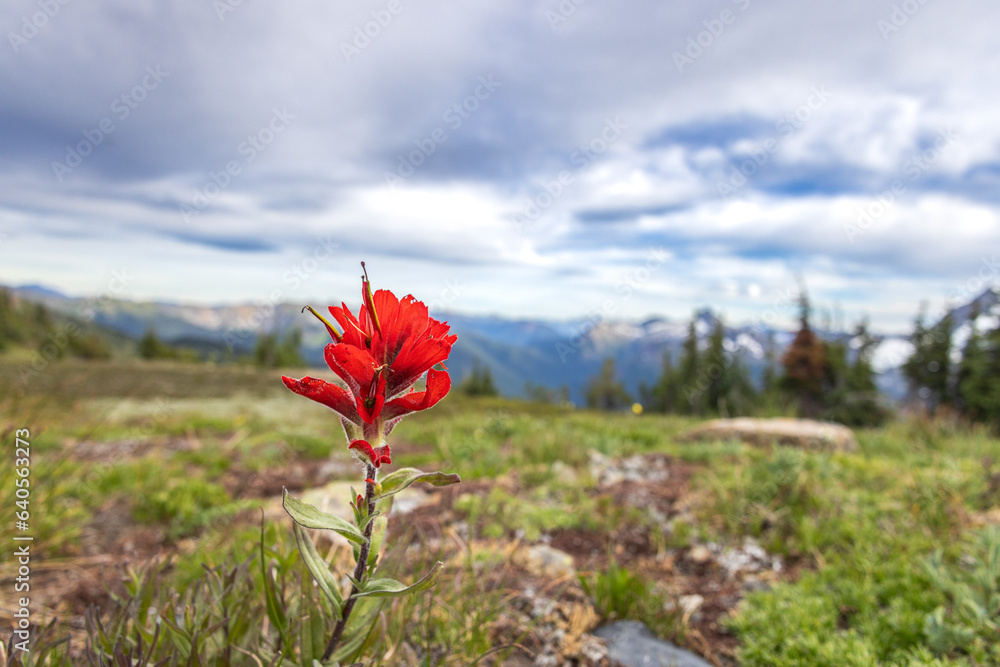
pixel 969 623
pixel 615 591
pixel 381 354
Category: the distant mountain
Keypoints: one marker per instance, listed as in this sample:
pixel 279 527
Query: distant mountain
pixel 517 351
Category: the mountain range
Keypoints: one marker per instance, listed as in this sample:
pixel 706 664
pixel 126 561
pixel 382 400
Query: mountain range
pixel 520 353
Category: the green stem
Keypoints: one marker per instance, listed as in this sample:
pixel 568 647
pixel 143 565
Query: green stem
pixel 359 570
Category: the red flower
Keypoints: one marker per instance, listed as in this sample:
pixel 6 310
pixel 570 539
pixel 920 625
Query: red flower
pixel 380 355
pixel 376 455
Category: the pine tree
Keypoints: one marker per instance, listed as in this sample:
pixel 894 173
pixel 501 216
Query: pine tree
pixel 714 368
pixel 852 396
pixel 272 352
pixel 480 381
pixel 861 375
pixel 978 381
pixel 938 359
pixel 604 391
pixel 662 396
pixel 805 364
pixel 8 333
pixel 915 367
pixel 151 347
pixel 689 400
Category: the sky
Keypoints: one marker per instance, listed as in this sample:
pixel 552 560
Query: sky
pixel 549 159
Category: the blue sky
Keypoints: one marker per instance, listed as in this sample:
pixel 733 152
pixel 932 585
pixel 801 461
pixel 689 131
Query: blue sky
pixel 540 159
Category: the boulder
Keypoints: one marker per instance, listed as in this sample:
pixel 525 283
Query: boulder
pixel 630 643
pixel 802 433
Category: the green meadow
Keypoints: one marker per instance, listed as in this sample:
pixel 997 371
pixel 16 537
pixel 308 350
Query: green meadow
pixel 149 481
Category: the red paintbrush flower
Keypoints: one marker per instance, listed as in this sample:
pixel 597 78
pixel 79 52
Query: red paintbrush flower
pixel 376 455
pixel 380 355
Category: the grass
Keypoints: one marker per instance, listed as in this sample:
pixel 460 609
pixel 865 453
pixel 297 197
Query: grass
pixel 896 562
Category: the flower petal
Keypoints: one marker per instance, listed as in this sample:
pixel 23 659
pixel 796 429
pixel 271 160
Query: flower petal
pixel 376 455
pixel 416 357
pixel 438 385
pixel 354 365
pixel 331 395
pixel 376 395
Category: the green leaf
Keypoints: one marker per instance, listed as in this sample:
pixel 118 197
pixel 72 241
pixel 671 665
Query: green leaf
pixel 390 588
pixel 318 568
pixel 381 518
pixel 308 516
pixel 404 477
pixel 358 518
pixel 275 612
pixel 358 629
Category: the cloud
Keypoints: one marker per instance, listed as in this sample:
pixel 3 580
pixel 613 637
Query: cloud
pixel 747 165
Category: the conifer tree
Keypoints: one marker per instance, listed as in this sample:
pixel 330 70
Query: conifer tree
pixel 805 364
pixel 689 399
pixel 604 391
pixel 480 381
pixel 938 359
pixel 663 395
pixel 977 385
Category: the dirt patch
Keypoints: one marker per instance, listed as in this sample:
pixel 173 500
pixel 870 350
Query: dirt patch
pixel 306 474
pixel 546 615
pixel 117 451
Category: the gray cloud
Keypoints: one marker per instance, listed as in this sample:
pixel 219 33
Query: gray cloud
pixel 360 104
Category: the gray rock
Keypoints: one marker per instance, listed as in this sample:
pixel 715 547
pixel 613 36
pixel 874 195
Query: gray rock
pixel 545 561
pixel 803 433
pixel 633 645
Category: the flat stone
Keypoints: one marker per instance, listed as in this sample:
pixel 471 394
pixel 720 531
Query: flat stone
pixel 689 604
pixel 633 645
pixel 700 554
pixel 801 433
pixel 545 561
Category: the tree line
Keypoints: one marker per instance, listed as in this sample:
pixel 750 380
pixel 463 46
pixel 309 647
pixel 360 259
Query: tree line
pixel 815 378
pixel 949 376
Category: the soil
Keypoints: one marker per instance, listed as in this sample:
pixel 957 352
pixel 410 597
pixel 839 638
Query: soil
pixel 112 542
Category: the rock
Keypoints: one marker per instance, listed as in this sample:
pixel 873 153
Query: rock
pixel 700 554
pixel 802 433
pixel 544 561
pixel 609 472
pixel 633 645
pixel 564 473
pixel 556 629
pixel 689 604
pixel 408 500
pixel 751 557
